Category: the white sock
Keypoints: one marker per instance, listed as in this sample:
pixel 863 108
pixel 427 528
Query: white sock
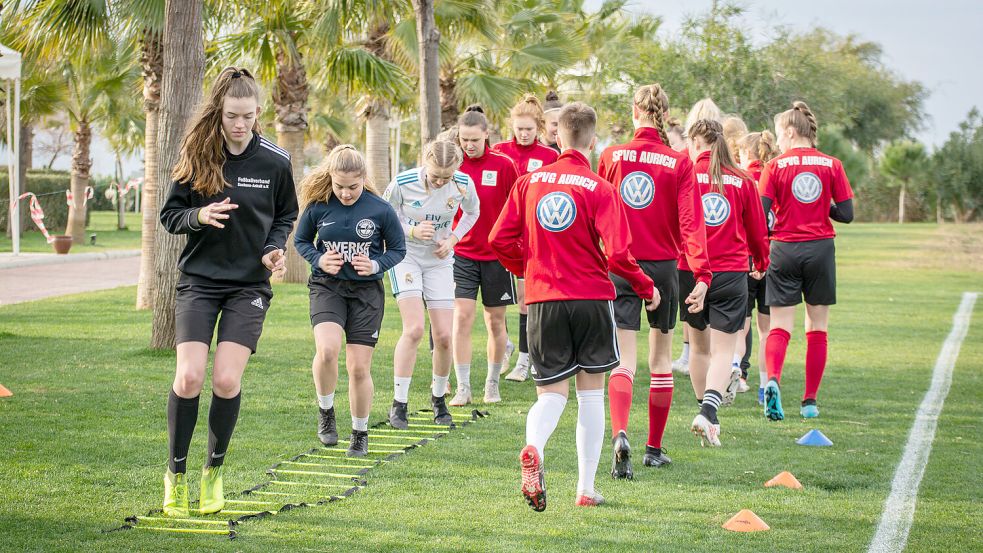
pixel 438 386
pixel 736 361
pixel 401 388
pixel 359 423
pixel 463 373
pixel 542 419
pixel 523 358
pixel 762 378
pixel 493 371
pixel 684 356
pixel 590 435
pixel 326 402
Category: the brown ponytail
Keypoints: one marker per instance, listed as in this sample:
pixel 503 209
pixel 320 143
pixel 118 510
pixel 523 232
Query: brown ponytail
pixel 652 102
pixel 801 119
pixel 712 133
pixel 760 144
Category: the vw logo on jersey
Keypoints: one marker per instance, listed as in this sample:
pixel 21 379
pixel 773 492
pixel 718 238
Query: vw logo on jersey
pixel 365 228
pixel 556 211
pixel 771 220
pixel 716 209
pixel 806 187
pixel 638 190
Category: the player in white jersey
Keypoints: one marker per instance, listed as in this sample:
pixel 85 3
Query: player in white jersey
pixel 426 200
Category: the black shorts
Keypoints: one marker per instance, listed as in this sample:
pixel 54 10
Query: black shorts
pixel 497 286
pixel 802 269
pixel 756 296
pixel 355 305
pixel 628 306
pixel 566 337
pixel 724 306
pixel 243 308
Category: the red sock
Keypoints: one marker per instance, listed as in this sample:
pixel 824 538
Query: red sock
pixel 775 347
pixel 816 347
pixel 619 397
pixel 660 400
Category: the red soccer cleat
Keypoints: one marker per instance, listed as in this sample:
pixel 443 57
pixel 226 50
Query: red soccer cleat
pixel 533 478
pixel 589 500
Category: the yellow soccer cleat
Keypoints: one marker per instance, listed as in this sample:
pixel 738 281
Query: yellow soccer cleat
pixel 212 498
pixel 175 494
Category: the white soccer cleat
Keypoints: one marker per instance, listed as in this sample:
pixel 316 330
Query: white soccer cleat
pixel 742 386
pixel 681 366
pixel 730 394
pixel 520 373
pixel 707 432
pixel 462 397
pixel 509 350
pixel 491 392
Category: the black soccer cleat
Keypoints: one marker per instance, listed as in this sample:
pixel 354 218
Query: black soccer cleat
pixel 359 446
pixel 440 413
pixel 621 465
pixel 327 431
pixel 655 457
pixel 397 416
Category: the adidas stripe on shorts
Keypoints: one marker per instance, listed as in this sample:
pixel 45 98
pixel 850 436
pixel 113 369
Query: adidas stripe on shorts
pixel 242 307
pixel 494 280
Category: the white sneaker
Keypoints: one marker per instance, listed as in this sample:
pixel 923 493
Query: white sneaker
pixel 681 366
pixel 742 386
pixel 448 390
pixel 709 434
pixel 509 350
pixel 520 373
pixel 491 392
pixel 462 397
pixel 730 394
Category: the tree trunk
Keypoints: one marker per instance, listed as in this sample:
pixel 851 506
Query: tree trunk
pixel 901 197
pixel 290 102
pixel 429 39
pixel 81 164
pixel 377 141
pixel 152 60
pixel 938 208
pixel 181 92
pixel 448 103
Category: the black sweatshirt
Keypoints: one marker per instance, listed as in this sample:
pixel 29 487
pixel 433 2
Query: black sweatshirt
pixel 260 181
pixel 368 227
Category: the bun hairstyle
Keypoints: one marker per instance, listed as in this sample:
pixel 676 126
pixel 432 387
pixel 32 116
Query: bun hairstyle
pixel 652 103
pixel 202 150
pixel 800 118
pixel 343 158
pixel 704 109
pixel 473 116
pixel 761 145
pixel 443 153
pixel 529 106
pixel 552 102
pixel 712 133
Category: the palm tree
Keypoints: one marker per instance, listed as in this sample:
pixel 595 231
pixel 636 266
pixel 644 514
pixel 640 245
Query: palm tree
pixel 904 162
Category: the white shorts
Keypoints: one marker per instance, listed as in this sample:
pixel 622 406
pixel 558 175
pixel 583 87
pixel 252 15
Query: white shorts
pixel 423 275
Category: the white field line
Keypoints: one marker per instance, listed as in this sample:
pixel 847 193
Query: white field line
pixel 899 509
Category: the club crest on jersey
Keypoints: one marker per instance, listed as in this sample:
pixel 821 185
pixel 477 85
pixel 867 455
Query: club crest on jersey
pixel 533 164
pixel 806 187
pixel 489 178
pixel 451 203
pixel 638 190
pixel 716 209
pixel 365 228
pixel 556 211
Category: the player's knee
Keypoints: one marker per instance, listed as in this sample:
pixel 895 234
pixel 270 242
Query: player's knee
pixel 413 332
pixel 441 338
pixel 188 381
pixel 326 355
pixel 225 383
pixel 359 375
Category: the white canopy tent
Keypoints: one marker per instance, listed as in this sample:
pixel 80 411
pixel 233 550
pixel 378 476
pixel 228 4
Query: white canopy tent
pixel 10 64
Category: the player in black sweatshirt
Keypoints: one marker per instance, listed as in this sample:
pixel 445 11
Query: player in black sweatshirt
pixel 351 237
pixel 233 195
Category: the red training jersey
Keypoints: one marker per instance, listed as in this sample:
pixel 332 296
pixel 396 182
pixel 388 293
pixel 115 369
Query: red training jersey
pixel 551 232
pixel 527 158
pixel 658 190
pixel 802 183
pixel 735 220
pixel 494 175
pixel 755 168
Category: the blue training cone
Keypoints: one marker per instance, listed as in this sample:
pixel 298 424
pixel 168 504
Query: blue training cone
pixel 814 438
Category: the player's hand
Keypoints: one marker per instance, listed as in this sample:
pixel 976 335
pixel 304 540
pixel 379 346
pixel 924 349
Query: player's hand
pixel 330 262
pixel 696 297
pixel 275 261
pixel 423 231
pixel 212 214
pixel 757 275
pixel 363 265
pixel 446 247
pixel 653 304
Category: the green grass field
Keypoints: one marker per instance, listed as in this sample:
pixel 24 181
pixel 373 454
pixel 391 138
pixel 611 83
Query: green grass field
pixel 83 441
pixel 101 223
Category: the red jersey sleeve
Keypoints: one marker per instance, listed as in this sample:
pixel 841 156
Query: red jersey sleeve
pixel 764 185
pixel 611 225
pixel 602 166
pixel 511 173
pixel 506 236
pixel 841 185
pixel 755 226
pixel 692 229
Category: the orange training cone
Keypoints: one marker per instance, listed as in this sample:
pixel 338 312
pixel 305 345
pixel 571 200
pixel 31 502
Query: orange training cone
pixel 4 392
pixel 786 479
pixel 746 521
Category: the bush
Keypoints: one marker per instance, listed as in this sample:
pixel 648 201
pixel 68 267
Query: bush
pixel 49 186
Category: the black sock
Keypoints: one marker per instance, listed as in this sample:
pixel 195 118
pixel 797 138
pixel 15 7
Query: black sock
pixel 711 400
pixel 182 415
pixel 746 361
pixel 808 402
pixel 222 417
pixel 523 341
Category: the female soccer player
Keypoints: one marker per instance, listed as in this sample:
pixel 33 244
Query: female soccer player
pixel 756 149
pixel 551 114
pixel 658 191
pixel 475 264
pixel 551 230
pixel 675 134
pixel 351 237
pixel 528 122
pixel 426 200
pixel 806 188
pixel 735 224
pixel 233 195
